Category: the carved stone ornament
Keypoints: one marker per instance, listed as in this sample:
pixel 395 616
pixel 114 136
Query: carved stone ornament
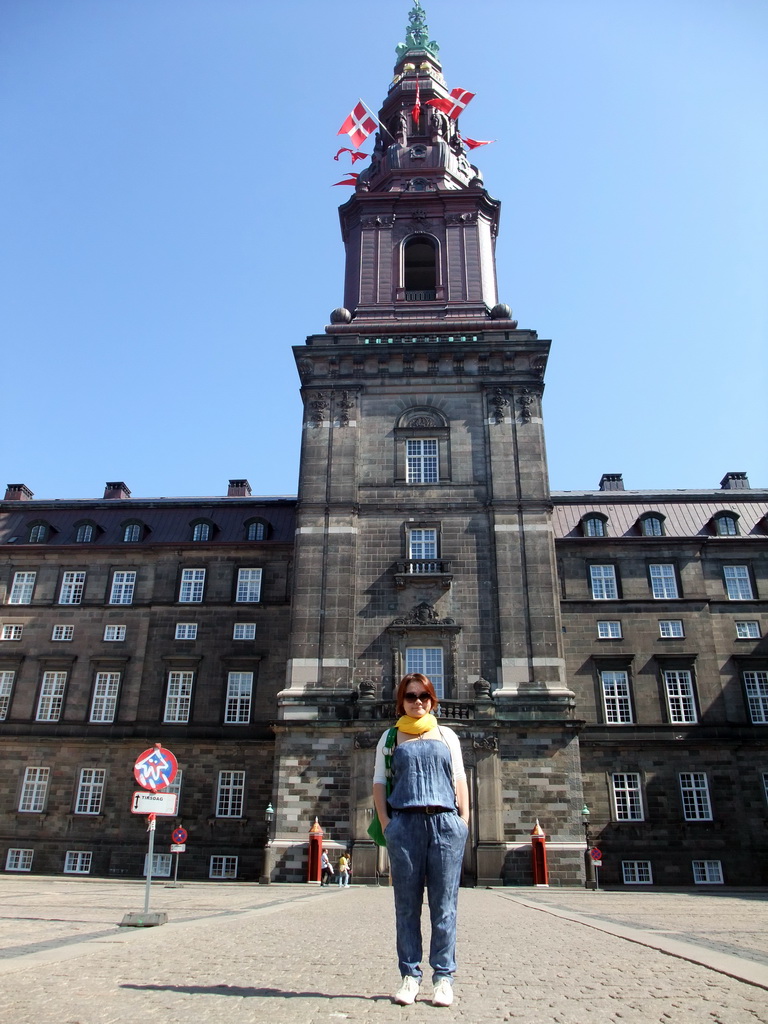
pixel 306 369
pixel 498 402
pixel 461 218
pixel 423 614
pixel 381 220
pixel 490 743
pixel 344 404
pixel 366 740
pixel 367 689
pixel 422 422
pixel 482 688
pixel 317 407
pixel 526 400
pixel 420 215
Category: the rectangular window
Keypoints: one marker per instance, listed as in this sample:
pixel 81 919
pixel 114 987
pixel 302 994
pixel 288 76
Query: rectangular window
pixel 72 587
pixel 11 632
pixel 679 689
pixel 105 693
pixel 609 629
pixel 627 796
pixel 186 631
pixel 663 582
pixel 765 786
pixel 748 630
pixel 230 795
pixel 161 864
pixel 244 631
pixel 616 701
pixel 695 793
pixel 90 790
pixel 428 661
pixel 34 789
pixel 178 700
pixel 421 461
pixel 738 585
pixel 19 860
pixel 239 695
pixel 6 688
pixel 63 633
pixel 422 550
pixel 51 697
pixel 603 580
pixel 223 867
pixel 123 584
pixel 192 584
pixel 756 685
pixel 78 862
pixel 175 787
pixel 114 633
pixel 636 872
pixel 22 588
pixel 707 872
pixel 248 586
pixel 670 629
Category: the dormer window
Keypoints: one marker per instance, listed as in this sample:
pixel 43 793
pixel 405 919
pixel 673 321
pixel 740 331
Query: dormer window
pixel 726 524
pixel 420 269
pixel 256 529
pixel 651 525
pixel 594 525
pixel 132 532
pixel 202 530
pixel 39 533
pixel 85 533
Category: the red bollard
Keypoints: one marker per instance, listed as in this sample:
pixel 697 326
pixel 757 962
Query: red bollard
pixel 314 861
pixel 539 855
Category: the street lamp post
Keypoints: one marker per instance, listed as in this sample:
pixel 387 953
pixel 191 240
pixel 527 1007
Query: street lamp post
pixel 266 871
pixel 591 880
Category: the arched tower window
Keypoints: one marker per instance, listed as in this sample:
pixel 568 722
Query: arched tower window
pixel 420 269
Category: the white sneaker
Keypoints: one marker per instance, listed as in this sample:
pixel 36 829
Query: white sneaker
pixel 443 992
pixel 408 990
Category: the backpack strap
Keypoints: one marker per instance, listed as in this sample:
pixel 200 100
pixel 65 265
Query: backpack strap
pixel 389 746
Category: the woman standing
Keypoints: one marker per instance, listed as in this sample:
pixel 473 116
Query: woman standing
pixel 426 834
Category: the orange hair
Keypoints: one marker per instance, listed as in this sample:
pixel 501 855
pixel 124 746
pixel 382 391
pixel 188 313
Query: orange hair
pixel 414 677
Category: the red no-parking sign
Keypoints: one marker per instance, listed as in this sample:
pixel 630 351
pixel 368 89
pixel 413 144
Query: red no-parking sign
pixel 155 768
pixel 596 854
pixel 179 835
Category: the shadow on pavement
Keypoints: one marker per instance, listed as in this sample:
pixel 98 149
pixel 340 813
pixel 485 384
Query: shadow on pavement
pixel 241 992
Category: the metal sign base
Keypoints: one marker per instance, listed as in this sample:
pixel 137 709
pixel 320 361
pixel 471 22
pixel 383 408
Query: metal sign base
pixel 139 920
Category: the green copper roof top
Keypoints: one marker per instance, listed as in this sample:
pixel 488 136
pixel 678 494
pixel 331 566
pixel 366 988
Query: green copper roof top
pixel 417 36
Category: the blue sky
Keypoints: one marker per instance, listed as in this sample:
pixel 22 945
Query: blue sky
pixel 169 230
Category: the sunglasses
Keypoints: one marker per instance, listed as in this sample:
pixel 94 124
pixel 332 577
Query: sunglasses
pixel 423 697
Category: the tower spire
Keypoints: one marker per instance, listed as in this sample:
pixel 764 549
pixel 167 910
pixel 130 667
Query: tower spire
pixel 417 34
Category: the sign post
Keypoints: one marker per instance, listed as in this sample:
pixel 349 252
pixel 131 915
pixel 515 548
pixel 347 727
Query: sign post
pixel 179 837
pixel 154 769
pixel 597 860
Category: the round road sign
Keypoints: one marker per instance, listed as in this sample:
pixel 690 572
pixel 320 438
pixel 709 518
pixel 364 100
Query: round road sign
pixel 179 835
pixel 596 854
pixel 155 768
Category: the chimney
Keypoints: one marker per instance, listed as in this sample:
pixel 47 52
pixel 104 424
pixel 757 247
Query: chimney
pixel 611 482
pixel 735 482
pixel 116 489
pixel 239 489
pixel 18 492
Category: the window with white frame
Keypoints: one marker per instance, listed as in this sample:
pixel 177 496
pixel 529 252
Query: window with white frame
pixel 186 631
pixel 244 631
pixel 192 586
pixel 636 872
pixel 663 582
pixel 63 633
pixel 38 534
pixel 178 699
pixel 201 531
pixel 105 690
pixel 756 685
pixel 19 860
pixel 678 686
pixel 123 585
pixel 84 534
pixel 78 862
pixel 132 533
pixel 738 585
pixel 603 580
pixel 747 630
pixel 593 526
pixel 429 661
pixel 22 588
pixel 222 867
pixel 11 631
pixel 671 629
pixel 616 698
pixel 72 587
pixel 175 787
pixel 34 790
pixel 248 586
pixel 161 864
pixel 609 629
pixel 627 796
pixel 726 525
pixel 707 872
pixel 6 689
pixel 765 786
pixel 51 698
pixel 694 789
pixel 90 790
pixel 422 550
pixel 421 461
pixel 652 526
pixel 239 696
pixel 230 795
pixel 256 531
pixel 112 633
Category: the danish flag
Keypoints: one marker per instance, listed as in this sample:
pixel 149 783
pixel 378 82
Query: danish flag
pixel 359 125
pixel 474 143
pixel 454 104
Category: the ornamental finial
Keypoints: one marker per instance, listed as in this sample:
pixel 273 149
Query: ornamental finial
pixel 417 35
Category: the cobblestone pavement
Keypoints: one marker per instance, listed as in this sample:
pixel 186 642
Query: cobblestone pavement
pixel 301 955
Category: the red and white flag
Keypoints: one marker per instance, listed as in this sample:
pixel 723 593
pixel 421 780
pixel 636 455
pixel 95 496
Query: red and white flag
pixel 453 105
pixel 359 125
pixel 351 179
pixel 416 112
pixel 356 155
pixel 474 143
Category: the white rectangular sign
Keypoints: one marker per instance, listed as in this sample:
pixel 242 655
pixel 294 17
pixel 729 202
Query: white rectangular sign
pixel 154 803
pixel 178 847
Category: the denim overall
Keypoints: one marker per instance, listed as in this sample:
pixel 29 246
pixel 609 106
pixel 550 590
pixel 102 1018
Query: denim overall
pixel 425 847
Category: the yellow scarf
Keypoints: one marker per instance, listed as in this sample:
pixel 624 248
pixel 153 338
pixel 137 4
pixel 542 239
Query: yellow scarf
pixel 416 726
